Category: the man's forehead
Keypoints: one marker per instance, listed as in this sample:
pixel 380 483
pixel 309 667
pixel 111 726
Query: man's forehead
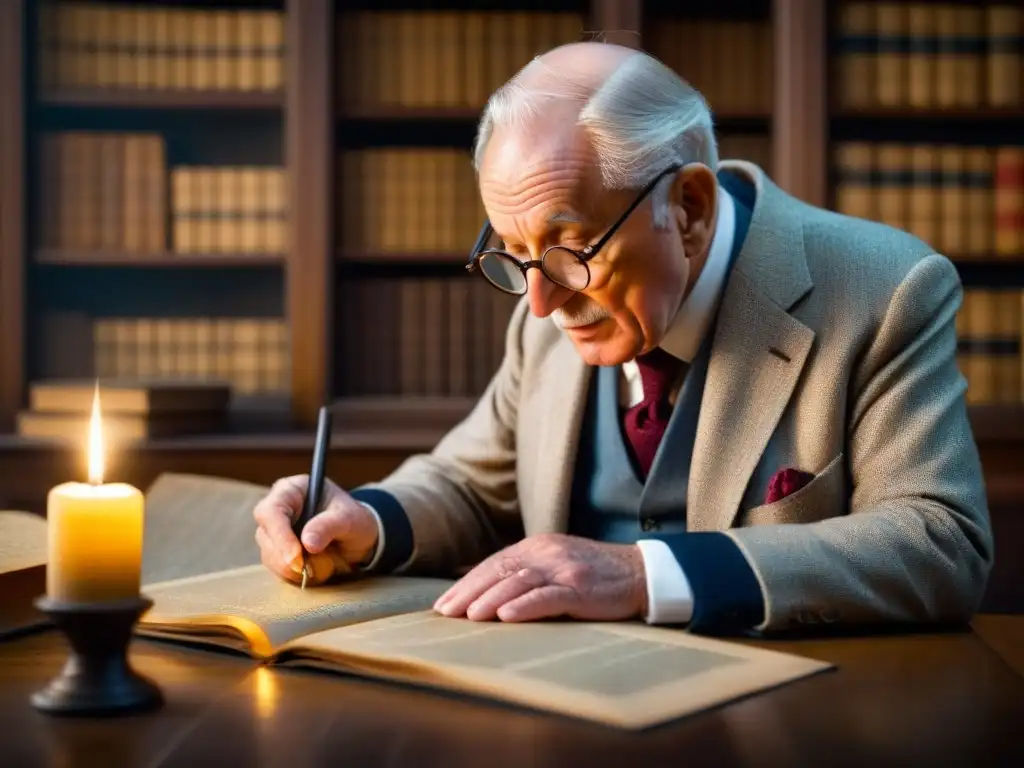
pixel 514 153
pixel 520 172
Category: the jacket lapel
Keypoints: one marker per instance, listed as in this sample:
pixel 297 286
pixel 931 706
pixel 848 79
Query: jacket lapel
pixel 757 355
pixel 561 404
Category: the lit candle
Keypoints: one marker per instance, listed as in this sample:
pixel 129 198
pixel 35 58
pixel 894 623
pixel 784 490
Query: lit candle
pixel 95 533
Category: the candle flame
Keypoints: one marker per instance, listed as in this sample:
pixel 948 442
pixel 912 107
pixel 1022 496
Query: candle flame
pixel 96 440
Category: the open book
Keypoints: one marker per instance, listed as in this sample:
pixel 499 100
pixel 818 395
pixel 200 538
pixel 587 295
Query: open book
pixel 201 568
pixel 23 548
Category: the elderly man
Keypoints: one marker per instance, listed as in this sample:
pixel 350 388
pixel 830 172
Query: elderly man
pixel 718 407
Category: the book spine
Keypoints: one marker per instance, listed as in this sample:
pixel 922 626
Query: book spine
pixel 855 190
pixel 134 199
pixel 923 218
pixel 978 162
pixel 273 50
pixel 857 45
pixel 922 54
pixel 1009 201
pixel 248 41
pixel 891 26
pixel 893 164
pixel 948 46
pixel 970 63
pixel 953 240
pixel 1005 27
pixel 163 49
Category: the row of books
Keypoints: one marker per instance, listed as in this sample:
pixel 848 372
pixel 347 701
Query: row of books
pixel 967 202
pixel 228 209
pixel 109 191
pixel 755 148
pixel 990 340
pixel 446 59
pixel 102 190
pixel 407 201
pixel 730 62
pixel 426 200
pixel 107 45
pixel 445 337
pixel 60 409
pixel 420 337
pixel 930 55
pixel 252 354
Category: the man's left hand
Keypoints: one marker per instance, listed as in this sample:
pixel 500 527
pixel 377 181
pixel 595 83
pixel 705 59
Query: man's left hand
pixel 551 575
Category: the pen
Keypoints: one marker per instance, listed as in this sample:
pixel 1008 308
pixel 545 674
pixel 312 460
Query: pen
pixel 315 492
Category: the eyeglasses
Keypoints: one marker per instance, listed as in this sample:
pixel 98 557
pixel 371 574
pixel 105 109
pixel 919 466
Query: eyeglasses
pixel 561 265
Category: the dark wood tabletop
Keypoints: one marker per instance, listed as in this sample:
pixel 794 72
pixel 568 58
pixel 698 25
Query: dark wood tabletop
pixel 945 698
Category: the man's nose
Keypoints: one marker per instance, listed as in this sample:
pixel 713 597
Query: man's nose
pixel 545 296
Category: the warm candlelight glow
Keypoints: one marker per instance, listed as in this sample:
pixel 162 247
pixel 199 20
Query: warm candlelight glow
pixel 96 440
pixel 266 692
pixel 95 532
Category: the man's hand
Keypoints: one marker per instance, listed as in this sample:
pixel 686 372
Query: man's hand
pixel 343 535
pixel 552 575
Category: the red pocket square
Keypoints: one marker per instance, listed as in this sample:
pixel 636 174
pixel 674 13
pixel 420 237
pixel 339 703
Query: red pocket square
pixel 786 482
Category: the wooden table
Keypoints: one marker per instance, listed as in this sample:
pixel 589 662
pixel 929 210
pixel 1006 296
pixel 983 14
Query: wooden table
pixel 927 699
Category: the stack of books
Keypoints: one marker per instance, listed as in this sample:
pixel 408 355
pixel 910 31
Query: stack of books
pixel 131 410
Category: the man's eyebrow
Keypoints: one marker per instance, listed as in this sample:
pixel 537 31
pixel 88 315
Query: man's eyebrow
pixel 564 217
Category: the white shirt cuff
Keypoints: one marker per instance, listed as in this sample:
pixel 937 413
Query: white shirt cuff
pixel 380 539
pixel 669 597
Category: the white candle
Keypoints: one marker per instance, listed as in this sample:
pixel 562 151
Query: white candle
pixel 95 533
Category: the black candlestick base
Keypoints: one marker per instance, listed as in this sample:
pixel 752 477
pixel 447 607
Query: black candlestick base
pixel 97 678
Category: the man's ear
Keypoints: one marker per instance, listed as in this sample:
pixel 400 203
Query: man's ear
pixel 694 198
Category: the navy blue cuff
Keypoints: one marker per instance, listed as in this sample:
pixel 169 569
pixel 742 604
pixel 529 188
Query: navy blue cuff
pixel 726 596
pixel 398 541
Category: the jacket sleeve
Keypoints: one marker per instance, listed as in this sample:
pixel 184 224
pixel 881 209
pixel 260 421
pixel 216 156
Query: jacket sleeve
pixel 916 545
pixel 452 507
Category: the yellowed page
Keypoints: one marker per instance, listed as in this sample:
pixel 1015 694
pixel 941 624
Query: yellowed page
pixel 23 554
pixel 22 540
pixel 198 524
pixel 626 675
pixel 269 612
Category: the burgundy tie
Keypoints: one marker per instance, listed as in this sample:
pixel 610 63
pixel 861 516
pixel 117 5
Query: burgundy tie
pixel 646 421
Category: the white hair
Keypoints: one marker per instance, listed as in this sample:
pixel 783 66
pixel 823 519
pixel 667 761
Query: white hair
pixel 640 120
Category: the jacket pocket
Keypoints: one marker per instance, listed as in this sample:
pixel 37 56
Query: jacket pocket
pixel 822 498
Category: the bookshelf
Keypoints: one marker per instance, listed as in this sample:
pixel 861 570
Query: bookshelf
pixel 727 51
pixel 344 118
pixel 345 123
pixel 137 98
pixel 925 118
pixel 154 195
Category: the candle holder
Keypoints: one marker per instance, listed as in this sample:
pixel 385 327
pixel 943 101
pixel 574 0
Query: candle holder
pixel 97 678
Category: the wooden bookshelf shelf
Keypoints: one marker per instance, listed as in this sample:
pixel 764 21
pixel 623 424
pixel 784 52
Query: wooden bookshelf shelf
pixel 403 257
pixel 395 415
pixel 162 99
pixel 400 113
pixel 737 123
pixel 998 422
pixel 165 259
pixel 994 271
pixel 959 114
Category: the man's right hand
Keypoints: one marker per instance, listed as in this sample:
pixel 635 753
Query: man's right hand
pixel 341 537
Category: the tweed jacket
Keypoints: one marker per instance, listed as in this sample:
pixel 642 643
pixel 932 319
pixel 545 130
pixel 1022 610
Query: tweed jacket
pixel 834 352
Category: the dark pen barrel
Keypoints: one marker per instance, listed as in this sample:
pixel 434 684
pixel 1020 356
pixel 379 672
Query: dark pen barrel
pixel 314 493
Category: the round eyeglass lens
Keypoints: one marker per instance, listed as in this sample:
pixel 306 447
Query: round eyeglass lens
pixel 503 272
pixel 564 267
